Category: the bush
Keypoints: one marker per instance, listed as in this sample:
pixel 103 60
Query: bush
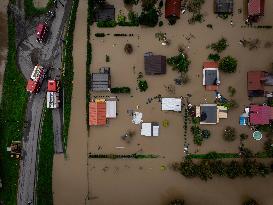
pixel 180 62
pixel 197 135
pixel 214 57
pixel 231 91
pixel 148 4
pixel 229 134
pixel 142 85
pixel 99 34
pixel 149 17
pixel 243 136
pixel 160 23
pixel 172 20
pixel 250 202
pixel 31 10
pixel 219 46
pixel 194 6
pixel 107 24
pixel 130 2
pixel 205 134
pixel 120 90
pixel 198 17
pixel 128 48
pixel 228 64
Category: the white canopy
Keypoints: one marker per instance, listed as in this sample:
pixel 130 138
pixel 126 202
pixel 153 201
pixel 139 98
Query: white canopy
pixel 137 118
pixel 171 104
pixel 111 109
pixel 148 129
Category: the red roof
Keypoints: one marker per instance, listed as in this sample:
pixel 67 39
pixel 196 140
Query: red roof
pixel 172 8
pixel 52 86
pixel 32 86
pixel 260 114
pixel 254 80
pixel 210 64
pixel 255 7
pixel 97 113
pixel 40 30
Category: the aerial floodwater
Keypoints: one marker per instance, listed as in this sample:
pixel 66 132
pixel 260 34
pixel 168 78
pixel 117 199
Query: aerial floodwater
pixel 80 180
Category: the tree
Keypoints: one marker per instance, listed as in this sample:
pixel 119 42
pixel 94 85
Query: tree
pixel 177 202
pixel 128 48
pixel 243 136
pixel 180 62
pixel 218 167
pixel 228 64
pixel 142 85
pixel 205 134
pixel 197 135
pixel 194 6
pixel 130 2
pixel 233 169
pixel 214 57
pixel 148 4
pixel 229 134
pixel 250 202
pixel 219 46
pixel 188 168
pixel 231 91
pixel 205 171
pixel 149 17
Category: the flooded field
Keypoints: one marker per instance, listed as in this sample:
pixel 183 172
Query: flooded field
pixel 141 182
pixel 40 3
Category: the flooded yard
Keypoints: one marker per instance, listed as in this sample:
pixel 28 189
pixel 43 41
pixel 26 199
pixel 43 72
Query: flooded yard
pixel 143 181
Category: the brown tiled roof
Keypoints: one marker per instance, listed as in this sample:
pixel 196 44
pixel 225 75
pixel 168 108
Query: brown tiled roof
pixel 155 64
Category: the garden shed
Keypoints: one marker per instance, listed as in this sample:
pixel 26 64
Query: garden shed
pixel 150 129
pixel 104 13
pixel 172 8
pixel 111 109
pixel 223 6
pixel 154 64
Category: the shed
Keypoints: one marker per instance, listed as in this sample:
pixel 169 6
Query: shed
pixel 171 104
pixel 260 114
pixel 101 81
pixel 150 129
pixel 223 6
pixel 154 64
pixel 104 13
pixel 255 85
pixel 255 8
pixel 111 109
pixel 172 8
pixel 97 113
pixel 211 78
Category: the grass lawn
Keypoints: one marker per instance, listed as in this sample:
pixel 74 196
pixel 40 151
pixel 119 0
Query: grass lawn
pixel 46 152
pixel 12 114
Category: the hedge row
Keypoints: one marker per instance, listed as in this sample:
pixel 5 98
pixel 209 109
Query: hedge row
pixel 68 74
pixel 117 156
pixel 31 10
pixel 46 153
pixel 12 115
pixel 120 90
pixel 90 13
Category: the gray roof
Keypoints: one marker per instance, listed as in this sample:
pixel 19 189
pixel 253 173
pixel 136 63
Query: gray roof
pixel 100 82
pixel 154 64
pixel 105 13
pixel 208 113
pixel 223 6
pixel 210 77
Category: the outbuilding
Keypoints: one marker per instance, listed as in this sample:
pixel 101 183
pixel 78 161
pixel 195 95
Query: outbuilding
pixel 150 129
pixel 171 104
pixel 223 6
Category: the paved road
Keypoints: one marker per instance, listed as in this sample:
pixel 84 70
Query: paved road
pixel 48 54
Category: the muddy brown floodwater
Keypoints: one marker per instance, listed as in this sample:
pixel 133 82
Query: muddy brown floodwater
pixel 141 182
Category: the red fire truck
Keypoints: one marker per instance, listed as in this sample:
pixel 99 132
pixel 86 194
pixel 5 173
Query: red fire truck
pixel 36 79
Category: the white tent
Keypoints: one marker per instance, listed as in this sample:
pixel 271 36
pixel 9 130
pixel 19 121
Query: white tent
pixel 171 104
pixel 111 109
pixel 137 118
pixel 149 129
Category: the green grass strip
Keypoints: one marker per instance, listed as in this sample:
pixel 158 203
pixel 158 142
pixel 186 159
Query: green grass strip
pixel 214 155
pixel 12 114
pixel 46 152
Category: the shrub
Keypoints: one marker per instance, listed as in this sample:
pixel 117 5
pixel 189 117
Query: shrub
pixel 197 135
pixel 133 18
pixel 120 90
pixel 106 24
pixel 180 62
pixel 205 134
pixel 198 17
pixel 107 58
pixel 209 26
pixel 130 2
pixel 160 23
pixel 228 64
pixel 214 57
pixel 148 4
pixel 142 85
pixel 160 4
pixel 231 91
pixel 250 202
pixel 99 34
pixel 229 134
pixel 149 17
pixel 219 46
pixel 128 48
pixel 195 5
pixel 243 136
pixel 121 18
